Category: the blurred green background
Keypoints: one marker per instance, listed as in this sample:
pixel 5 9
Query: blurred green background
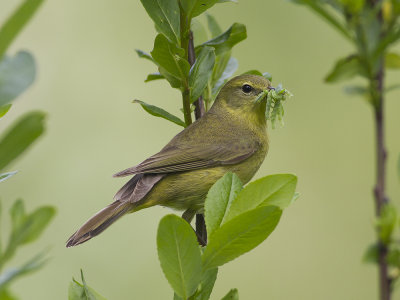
pixel 89 73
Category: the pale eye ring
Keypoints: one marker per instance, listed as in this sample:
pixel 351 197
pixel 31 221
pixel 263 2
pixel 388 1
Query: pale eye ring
pixel 246 88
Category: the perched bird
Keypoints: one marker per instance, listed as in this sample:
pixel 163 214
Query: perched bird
pixel 230 137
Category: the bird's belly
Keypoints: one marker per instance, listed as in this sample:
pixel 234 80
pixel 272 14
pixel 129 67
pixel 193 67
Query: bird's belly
pixel 184 190
pixel 188 190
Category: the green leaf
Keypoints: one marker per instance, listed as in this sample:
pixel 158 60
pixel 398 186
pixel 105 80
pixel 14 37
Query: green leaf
pixel 201 6
pixel 179 255
pixel 267 76
pixel 392 88
pixel 7 175
pixel 258 73
pixel 230 68
pixel 6 295
pixel 253 72
pixel 224 42
pixel 4 109
pixel 389 38
pixel 187 6
pixel 205 288
pixel 219 200
pixel 166 17
pixel 159 112
pixel 275 190
pixel 193 8
pixel 207 284
pixel 34 224
pixel 16 75
pixel 345 68
pixel 199 32
pixel 387 222
pixel 172 80
pixel 16 22
pixel 240 235
pixel 352 7
pixel 392 60
pixel 274 106
pixel 32 265
pixel 170 57
pixel 355 90
pixel 20 136
pixel 232 295
pixel 176 297
pixel 393 257
pixel 221 63
pixel 372 36
pixel 371 254
pixel 26 228
pixel 78 291
pixel 144 55
pixel 213 26
pixel 17 213
pixel 201 72
pixel 154 76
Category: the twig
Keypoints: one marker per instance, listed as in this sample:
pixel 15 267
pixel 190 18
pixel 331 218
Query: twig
pixel 379 191
pixel 199 111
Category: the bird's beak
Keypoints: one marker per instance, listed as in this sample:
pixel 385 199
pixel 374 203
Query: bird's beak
pixel 262 95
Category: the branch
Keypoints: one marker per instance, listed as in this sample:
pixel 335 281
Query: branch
pixel 379 191
pixel 199 111
pixel 377 94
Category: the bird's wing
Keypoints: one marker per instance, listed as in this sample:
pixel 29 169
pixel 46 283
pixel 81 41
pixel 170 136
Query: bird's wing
pixel 180 158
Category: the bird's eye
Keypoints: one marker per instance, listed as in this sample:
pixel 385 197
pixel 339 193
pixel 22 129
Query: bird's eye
pixel 247 88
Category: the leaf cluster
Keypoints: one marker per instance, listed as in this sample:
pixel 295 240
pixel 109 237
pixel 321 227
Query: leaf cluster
pixel 26 228
pixel 274 109
pixel 238 219
pixel 198 74
pixel 81 291
pixel 387 227
pixel 372 29
pixel 17 74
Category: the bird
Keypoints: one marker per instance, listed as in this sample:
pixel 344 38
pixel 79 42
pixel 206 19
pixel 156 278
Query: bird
pixel 230 137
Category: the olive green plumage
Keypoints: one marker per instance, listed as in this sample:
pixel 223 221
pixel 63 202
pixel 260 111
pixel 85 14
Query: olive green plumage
pixel 231 136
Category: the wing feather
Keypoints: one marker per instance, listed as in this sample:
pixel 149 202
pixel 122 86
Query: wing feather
pixel 191 149
pixel 179 160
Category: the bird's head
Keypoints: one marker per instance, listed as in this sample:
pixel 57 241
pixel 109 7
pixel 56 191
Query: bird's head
pixel 245 95
pixel 244 91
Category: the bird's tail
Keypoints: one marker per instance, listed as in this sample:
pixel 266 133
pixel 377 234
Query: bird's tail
pixel 128 198
pixel 99 222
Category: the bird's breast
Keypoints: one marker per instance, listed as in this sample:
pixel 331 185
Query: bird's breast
pixel 246 170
